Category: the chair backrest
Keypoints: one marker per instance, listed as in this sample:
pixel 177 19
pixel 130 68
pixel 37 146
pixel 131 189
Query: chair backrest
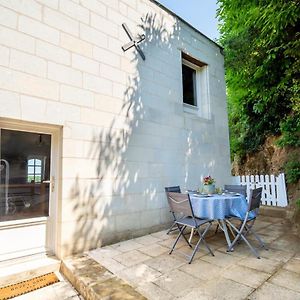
pixel 175 189
pixel 180 203
pixel 241 189
pixel 254 199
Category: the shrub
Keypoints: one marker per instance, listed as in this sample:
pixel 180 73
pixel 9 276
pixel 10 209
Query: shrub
pixel 292 170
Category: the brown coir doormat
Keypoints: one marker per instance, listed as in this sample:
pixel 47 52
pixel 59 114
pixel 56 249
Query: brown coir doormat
pixel 27 286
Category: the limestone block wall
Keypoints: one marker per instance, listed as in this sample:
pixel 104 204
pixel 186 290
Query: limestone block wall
pixel 125 131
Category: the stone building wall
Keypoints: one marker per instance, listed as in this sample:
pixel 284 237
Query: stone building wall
pixel 125 131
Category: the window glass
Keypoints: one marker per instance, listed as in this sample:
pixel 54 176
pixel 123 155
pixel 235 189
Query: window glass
pixel 189 85
pixel 24 166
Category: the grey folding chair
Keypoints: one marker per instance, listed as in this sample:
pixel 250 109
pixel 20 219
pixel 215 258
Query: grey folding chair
pixel 182 210
pixel 247 223
pixel 241 189
pixel 174 189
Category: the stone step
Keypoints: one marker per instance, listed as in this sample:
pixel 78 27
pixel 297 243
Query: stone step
pixel 273 211
pixel 93 281
pixel 20 269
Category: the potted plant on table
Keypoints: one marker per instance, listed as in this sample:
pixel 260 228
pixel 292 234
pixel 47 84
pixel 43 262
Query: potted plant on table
pixel 208 185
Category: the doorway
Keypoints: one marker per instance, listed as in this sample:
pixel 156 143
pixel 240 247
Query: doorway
pixel 28 189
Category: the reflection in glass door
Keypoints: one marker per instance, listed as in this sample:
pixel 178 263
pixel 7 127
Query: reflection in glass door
pixel 24 175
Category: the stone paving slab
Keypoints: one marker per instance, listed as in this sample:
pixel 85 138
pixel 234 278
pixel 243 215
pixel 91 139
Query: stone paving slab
pixel 94 282
pixel 143 266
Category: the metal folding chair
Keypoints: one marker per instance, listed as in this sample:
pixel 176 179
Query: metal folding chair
pixel 182 211
pixel 240 189
pixel 247 223
pixel 174 189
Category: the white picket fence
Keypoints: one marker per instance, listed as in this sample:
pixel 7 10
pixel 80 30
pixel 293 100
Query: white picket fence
pixel 274 188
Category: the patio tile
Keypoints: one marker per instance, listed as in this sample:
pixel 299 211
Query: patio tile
pixel 138 275
pixel 290 242
pixel 115 288
pixel 241 250
pixel 131 258
pixel 162 235
pixel 126 246
pixel 246 276
pixel 264 264
pixel 221 259
pixel 197 293
pixel 147 240
pixel 64 290
pixel 287 279
pixel 226 289
pixel 177 282
pixel 278 255
pixel 107 251
pixel 109 263
pixel 154 250
pixel 153 292
pixel 270 291
pixel 202 270
pixel 164 263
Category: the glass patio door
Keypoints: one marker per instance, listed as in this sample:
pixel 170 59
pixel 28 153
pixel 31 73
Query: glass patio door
pixel 25 192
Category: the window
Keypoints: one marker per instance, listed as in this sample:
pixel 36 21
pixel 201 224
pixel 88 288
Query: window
pixel 189 85
pixel 34 170
pixel 194 86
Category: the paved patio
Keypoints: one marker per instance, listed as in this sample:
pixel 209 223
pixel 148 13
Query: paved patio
pixel 144 263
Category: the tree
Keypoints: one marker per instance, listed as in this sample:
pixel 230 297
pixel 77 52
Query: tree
pixel 261 43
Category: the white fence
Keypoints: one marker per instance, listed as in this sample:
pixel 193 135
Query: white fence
pixel 274 188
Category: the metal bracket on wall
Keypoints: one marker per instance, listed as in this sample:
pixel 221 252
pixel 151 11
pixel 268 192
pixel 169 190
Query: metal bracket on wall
pixel 133 42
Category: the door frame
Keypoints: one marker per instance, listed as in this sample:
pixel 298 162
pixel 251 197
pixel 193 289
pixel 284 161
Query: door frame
pixel 52 225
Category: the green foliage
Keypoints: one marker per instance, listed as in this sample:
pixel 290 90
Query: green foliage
pixel 262 50
pixel 290 129
pixel 292 170
pixel 298 203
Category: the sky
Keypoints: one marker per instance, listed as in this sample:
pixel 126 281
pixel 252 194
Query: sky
pixel 199 13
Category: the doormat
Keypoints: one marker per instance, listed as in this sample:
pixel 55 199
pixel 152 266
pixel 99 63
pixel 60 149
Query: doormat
pixel 14 290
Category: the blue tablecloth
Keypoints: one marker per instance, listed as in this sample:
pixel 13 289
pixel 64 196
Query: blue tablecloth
pixel 219 206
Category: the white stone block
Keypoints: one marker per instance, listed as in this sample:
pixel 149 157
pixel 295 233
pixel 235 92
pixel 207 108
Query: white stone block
pixel 33 109
pixel 4 56
pixel 59 113
pixel 115 45
pixel 113 74
pixel 103 25
pixel 97 84
pixel 128 222
pixel 49 3
pixel 53 53
pixel 29 7
pixel 85 64
pixel 76 96
pixel 28 84
pixel 123 8
pixel 64 74
pixel 28 63
pixel 38 30
pixel 8 18
pixel 95 6
pixel 9 105
pixel 74 11
pixel 93 36
pixel 61 21
pixel 17 40
pixel 76 45
pixel 112 3
pixel 72 148
pixel 107 57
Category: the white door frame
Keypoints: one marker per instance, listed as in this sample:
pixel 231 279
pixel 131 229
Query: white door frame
pixel 55 173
